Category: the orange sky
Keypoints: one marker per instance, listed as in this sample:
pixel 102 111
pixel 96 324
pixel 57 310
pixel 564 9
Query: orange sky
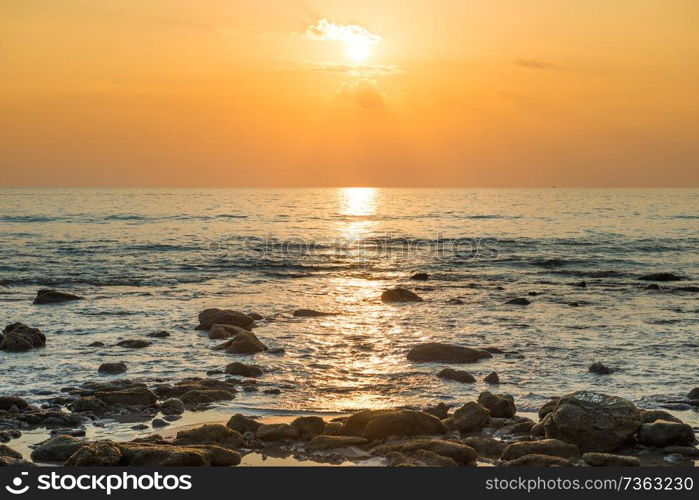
pixel 454 93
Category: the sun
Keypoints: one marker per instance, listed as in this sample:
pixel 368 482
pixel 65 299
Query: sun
pixel 358 48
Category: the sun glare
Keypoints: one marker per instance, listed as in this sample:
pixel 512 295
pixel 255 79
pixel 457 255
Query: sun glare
pixel 358 49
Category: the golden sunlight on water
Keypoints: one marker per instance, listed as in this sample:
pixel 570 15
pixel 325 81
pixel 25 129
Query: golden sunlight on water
pixel 356 204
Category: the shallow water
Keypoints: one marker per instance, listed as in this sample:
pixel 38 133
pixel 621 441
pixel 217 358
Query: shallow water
pixel 150 260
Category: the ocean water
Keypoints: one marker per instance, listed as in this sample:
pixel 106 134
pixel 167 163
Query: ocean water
pixel 151 259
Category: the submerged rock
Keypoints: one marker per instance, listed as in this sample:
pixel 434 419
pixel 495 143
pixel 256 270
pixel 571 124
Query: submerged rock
pixel 218 332
pixel 596 459
pixel 492 378
pixel 47 296
pixel 243 370
pixel 471 417
pixel 210 317
pixel 456 375
pixel 18 337
pixel 520 301
pixel 661 277
pixel 600 369
pixel 112 368
pixel 311 313
pixel 693 394
pixel 500 406
pixel 242 343
pixel 446 353
pixel 420 277
pixel 133 343
pixel 663 433
pixel 399 295
pixel 159 335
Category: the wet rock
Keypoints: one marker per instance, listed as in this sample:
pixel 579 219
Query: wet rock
pixel 133 343
pixel 139 427
pixel 593 421
pixel 18 337
pixel 485 446
pixel 456 375
pixel 580 284
pixel 276 432
pixel 650 416
pixel 47 296
pixel 210 317
pixel 653 286
pixel 205 396
pixel 548 407
pixel 9 435
pixel 537 461
pixel 500 406
pixel 56 449
pixel 12 458
pixel 596 459
pixel 693 394
pixel 455 301
pixel 399 295
pixel 311 313
pixel 661 277
pixel 328 442
pixel 219 332
pixel 211 434
pixel 159 335
pixel 172 407
pixel 420 277
pixel 192 384
pixel 460 453
pixel 97 454
pixel 308 427
pixel 137 396
pixel 600 369
pixel 549 447
pixel 243 424
pixel 6 451
pixel 519 301
pixel 112 368
pixel 378 424
pixel 333 429
pixel 243 370
pixel 242 343
pixel 663 433
pixel 273 390
pixel 146 454
pixel 159 422
pixel 446 353
pixel 88 404
pixel 471 417
pixel 255 316
pixel 687 451
pixel 96 344
pixel 7 402
pixel 492 378
pixel 440 410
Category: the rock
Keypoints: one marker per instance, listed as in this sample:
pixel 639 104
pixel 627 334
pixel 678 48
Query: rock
pixel 520 301
pixel 159 335
pixel 159 422
pixel 210 317
pixel 7 436
pixel 693 394
pixel 485 446
pixel 54 297
pixel 172 406
pixel 137 396
pixel 663 433
pixel 326 442
pixel 146 454
pixel 537 461
pixel 242 343
pixel 446 353
pixel 276 432
pixel 139 427
pixel 548 407
pixel 100 453
pixel 593 421
pixel 7 402
pixel 243 424
pixel 600 369
pixel 471 417
pixel 460 453
pixel 687 451
pixel 661 277
pixel 455 301
pixel 112 368
pixel 88 404
pixel 492 378
pixel 243 370
pixel 205 396
pixel 96 344
pixel 56 449
pixel 549 447
pixel 308 427
pixel 650 416
pixel 379 424
pixel 193 384
pixel 6 451
pixel 218 332
pixel 18 337
pixel 500 406
pixel 311 313
pixel 134 344
pixel 440 410
pixel 333 429
pixel 456 375
pixel 653 286
pixel 255 316
pixel 211 434
pixel 580 284
pixel 597 459
pixel 420 277
pixel 399 295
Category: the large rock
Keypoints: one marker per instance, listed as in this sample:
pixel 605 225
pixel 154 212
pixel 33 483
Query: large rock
pixel 535 460
pixel 593 421
pixel 54 297
pixel 166 455
pixel 457 375
pixel 172 406
pixel 486 446
pixel 242 343
pixel 7 402
pixel 243 370
pixel 243 424
pixel 600 369
pixel 663 433
pixel 650 416
pixel 56 449
pixel 471 417
pixel 210 317
pixel 101 453
pixel 446 353
pixel 399 295
pixel 325 442
pixel 18 337
pixel 597 459
pixel 136 396
pixel 308 427
pixel 213 434
pixel 277 432
pixel 88 404
pixel 112 368
pixel 693 394
pixel 500 406
pixel 219 331
pixel 550 447
pixel 379 424
pixel 460 453
pixel 205 396
pixel 661 277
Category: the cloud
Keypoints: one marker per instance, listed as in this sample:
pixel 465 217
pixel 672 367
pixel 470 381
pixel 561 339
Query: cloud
pixel 536 64
pixel 363 93
pixel 325 30
pixel 355 70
